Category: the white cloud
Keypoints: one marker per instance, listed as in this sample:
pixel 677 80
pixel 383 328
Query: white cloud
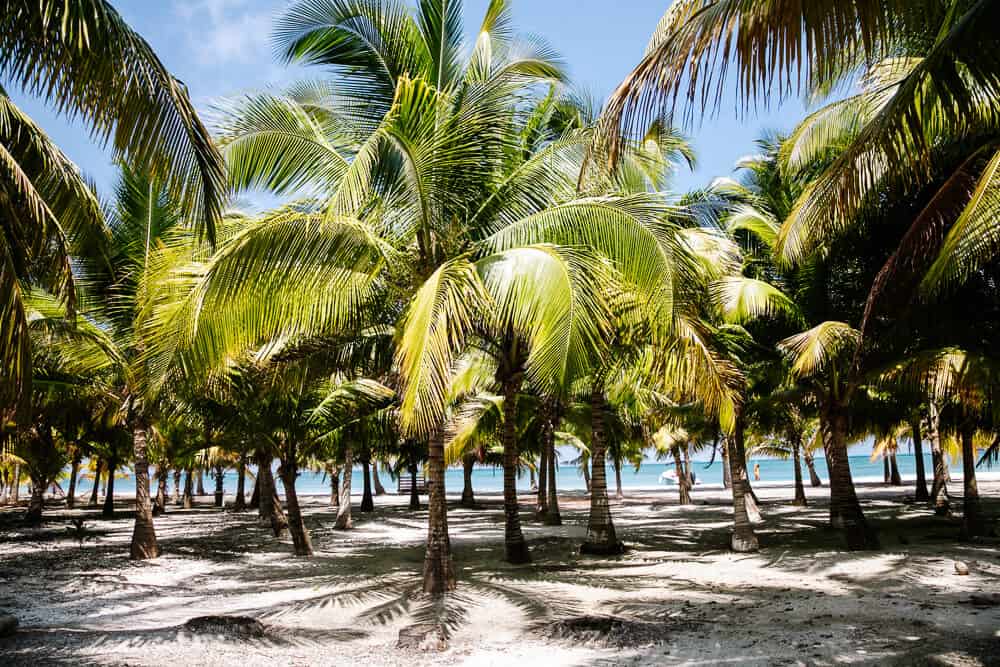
pixel 226 31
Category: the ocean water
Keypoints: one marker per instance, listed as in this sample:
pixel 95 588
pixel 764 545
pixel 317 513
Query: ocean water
pixel 490 480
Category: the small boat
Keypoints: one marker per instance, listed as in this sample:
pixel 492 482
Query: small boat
pixel 668 477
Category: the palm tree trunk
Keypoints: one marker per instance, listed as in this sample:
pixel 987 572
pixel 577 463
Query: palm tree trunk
pixel 532 484
pixel 200 481
pixel 255 494
pixel 686 458
pixel 814 479
pixel 885 469
pixel 219 487
pixel 601 537
pixel 97 483
pixel 108 512
pixel 894 477
pixel 920 493
pixel 542 504
pixel 617 465
pixel 749 497
pixel 586 474
pixel 367 502
pixel 845 510
pixel 414 491
pixel 468 495
pixel 376 482
pixel 727 477
pixel 682 478
pixel 74 471
pixel 37 502
pixel 439 571
pixel 939 487
pixel 269 510
pixel 800 491
pixel 515 547
pixel 240 503
pixel 344 521
pixel 743 539
pixel 15 495
pixel 973 521
pixel 160 504
pixel 296 526
pixel 187 499
pixel 143 546
pixel 552 516
pixel 334 487
pixel 177 487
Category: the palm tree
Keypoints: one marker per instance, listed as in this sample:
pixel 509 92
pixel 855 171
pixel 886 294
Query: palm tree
pixel 928 93
pixel 82 58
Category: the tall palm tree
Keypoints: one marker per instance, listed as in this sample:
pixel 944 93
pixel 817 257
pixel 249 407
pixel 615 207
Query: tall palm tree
pixel 81 57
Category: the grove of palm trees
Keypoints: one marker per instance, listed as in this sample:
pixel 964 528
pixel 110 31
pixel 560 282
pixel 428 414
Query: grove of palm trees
pixel 422 355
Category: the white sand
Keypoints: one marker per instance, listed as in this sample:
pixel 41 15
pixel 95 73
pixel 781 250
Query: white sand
pixel 801 600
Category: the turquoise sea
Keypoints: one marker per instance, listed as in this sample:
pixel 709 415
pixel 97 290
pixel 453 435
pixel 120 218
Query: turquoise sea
pixel 490 479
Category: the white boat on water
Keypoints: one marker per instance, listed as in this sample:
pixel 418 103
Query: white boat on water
pixel 668 477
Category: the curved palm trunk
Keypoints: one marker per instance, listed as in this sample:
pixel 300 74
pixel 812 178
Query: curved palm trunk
pixel 97 483
pixel 376 482
pixel 468 494
pixel 939 487
pixel 296 525
pixel 187 498
pixel 439 571
pixel 845 510
pixel 800 491
pixel 219 488
pixel 344 521
pixel 367 502
pixel 108 512
pixel 601 537
pixel 240 503
pixel 814 479
pixel 515 546
pixel 885 469
pixel 895 478
pixel 973 521
pixel 200 481
pixel 586 474
pixel 743 538
pixel 920 492
pixel 74 472
pixel 682 478
pixel 143 546
pixel 269 510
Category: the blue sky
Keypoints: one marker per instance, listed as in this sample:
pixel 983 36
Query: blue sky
pixel 221 47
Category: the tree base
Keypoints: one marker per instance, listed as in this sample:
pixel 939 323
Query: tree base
pixel 861 537
pixel 517 553
pixel 552 519
pixel 800 502
pixel 744 541
pixel 602 548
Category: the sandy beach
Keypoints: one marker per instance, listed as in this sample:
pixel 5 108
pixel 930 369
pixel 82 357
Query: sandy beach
pixel 678 596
